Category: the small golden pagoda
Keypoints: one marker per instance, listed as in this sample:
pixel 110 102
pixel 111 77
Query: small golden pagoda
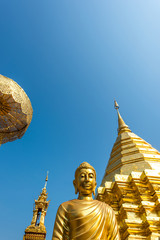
pixel 37 230
pixel 131 185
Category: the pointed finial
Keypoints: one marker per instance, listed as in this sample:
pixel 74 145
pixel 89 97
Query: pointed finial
pixel 122 127
pixel 116 106
pixel 45 185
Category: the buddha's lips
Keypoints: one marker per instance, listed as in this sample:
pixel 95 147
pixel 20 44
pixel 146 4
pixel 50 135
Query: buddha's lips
pixel 87 185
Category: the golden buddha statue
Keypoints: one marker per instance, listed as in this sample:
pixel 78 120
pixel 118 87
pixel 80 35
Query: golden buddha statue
pixel 85 218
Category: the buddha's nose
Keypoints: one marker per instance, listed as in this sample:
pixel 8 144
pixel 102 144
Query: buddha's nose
pixel 86 177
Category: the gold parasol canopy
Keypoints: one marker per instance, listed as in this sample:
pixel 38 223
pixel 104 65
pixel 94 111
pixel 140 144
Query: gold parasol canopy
pixel 15 110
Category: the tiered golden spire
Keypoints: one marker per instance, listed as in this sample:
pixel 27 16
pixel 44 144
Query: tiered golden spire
pixel 130 153
pixel 37 228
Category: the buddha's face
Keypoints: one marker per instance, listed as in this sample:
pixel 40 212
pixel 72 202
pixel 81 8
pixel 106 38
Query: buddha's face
pixel 85 182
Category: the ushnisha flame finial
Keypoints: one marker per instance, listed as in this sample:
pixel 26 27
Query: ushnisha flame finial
pixel 122 127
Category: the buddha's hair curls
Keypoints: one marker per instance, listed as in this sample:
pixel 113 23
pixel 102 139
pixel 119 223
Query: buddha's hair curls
pixel 84 165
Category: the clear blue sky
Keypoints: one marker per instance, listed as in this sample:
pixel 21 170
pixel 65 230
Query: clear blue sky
pixel 73 58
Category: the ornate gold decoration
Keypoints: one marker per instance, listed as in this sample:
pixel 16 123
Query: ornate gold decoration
pixel 15 110
pixel 37 230
pixel 131 185
pixel 135 199
pixel 85 218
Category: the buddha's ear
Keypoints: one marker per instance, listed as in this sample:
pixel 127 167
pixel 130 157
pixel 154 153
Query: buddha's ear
pixel 94 190
pixel 75 186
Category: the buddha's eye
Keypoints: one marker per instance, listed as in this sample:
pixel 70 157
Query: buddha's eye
pixel 82 175
pixel 91 175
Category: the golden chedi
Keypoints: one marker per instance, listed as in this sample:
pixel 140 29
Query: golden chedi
pixel 85 218
pixel 131 185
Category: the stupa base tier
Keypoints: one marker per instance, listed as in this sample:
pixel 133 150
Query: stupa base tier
pixel 135 199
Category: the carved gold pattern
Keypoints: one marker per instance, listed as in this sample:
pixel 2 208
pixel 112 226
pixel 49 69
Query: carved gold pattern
pixel 37 231
pixel 15 110
pixel 135 199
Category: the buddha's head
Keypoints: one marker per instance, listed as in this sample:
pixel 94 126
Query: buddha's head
pixel 85 180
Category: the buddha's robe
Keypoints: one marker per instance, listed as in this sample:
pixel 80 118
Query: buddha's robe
pixel 84 220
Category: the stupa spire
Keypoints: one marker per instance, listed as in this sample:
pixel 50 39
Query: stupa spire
pixel 122 126
pixel 46 180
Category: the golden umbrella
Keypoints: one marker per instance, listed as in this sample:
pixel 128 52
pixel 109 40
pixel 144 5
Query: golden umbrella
pixel 15 110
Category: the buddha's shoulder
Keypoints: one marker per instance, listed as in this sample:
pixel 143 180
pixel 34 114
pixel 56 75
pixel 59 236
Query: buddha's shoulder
pixel 105 205
pixel 68 203
pixel 101 203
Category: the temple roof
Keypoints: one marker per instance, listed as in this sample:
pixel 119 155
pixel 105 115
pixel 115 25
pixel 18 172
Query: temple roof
pixel 129 153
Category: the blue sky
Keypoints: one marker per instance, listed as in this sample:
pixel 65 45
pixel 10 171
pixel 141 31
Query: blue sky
pixel 73 58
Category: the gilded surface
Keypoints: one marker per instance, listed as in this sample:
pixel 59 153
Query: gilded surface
pixel 130 153
pixel 81 219
pixel 15 110
pixel 85 218
pixel 37 230
pixel 131 185
pixel 135 199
